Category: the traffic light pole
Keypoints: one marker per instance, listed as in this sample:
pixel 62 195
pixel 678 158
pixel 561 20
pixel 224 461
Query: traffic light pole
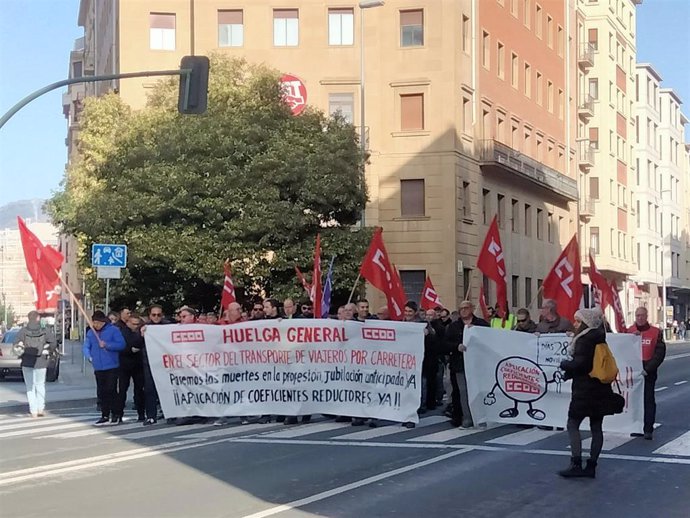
pixel 93 79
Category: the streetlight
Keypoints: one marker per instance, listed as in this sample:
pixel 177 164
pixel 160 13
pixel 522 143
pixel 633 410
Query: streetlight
pixel 363 5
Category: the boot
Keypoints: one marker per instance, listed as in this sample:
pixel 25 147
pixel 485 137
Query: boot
pixel 590 470
pixel 574 470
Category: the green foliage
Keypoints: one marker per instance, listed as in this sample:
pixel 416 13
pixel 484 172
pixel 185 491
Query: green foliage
pixel 246 181
pixel 10 314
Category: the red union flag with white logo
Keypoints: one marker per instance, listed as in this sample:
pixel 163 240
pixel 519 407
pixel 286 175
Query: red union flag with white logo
pixel 617 307
pixel 294 93
pixel 378 270
pixel 430 298
pixel 228 288
pixel 563 283
pixel 492 264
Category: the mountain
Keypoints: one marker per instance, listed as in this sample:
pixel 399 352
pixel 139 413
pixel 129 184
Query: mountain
pixel 27 209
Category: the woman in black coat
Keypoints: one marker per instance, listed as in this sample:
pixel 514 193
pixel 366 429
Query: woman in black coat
pixel 590 397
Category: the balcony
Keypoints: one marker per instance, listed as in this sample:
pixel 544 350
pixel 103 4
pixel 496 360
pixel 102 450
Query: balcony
pixel 587 208
pixel 585 56
pixel 585 109
pixel 585 156
pixel 502 158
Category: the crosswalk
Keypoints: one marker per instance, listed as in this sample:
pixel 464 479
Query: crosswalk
pixel 431 430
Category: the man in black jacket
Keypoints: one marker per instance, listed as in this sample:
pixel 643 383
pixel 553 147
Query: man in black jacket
pixel 131 367
pixel 453 345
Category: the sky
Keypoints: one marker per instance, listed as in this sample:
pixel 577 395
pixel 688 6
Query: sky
pixel 34 51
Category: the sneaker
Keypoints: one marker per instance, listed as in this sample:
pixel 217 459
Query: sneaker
pixel 220 422
pixel 358 422
pixel 466 425
pixel 343 419
pixel 116 420
pixel 244 420
pixel 264 419
pixel 373 423
pixel 290 420
pixel 102 421
pixel 306 419
pixel 141 419
pixel 150 421
pixel 648 436
pixel 636 434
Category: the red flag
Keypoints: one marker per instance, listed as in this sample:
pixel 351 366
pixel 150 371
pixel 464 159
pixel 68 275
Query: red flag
pixel 228 288
pixel 377 269
pixel 602 291
pixel 617 307
pixel 305 284
pixel 430 298
pixel 563 283
pixel 492 264
pixel 43 263
pixel 482 304
pixel 316 279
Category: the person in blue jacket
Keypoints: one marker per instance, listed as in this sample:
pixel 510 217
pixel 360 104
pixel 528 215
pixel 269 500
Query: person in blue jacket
pixel 102 348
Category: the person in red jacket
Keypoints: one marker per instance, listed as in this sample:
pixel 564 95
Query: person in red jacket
pixel 653 353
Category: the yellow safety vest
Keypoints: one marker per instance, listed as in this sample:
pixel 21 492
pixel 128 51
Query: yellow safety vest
pixel 497 322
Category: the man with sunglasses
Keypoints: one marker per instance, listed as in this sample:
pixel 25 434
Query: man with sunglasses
pixel 257 312
pixel 523 322
pixel 156 318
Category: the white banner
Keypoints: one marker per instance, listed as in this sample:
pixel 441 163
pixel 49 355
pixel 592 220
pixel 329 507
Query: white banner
pixel 289 367
pixel 514 377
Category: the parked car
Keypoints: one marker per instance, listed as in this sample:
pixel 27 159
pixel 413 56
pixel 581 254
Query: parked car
pixel 10 363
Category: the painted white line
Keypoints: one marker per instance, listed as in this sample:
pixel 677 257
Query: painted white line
pixel 660 389
pixel 22 418
pixel 448 435
pixel 156 432
pixel 42 429
pixel 611 441
pixel 354 485
pixel 383 431
pixel 677 356
pixel 524 437
pixel 42 421
pixel 95 430
pixel 227 430
pixel 680 382
pixel 679 446
pixel 301 431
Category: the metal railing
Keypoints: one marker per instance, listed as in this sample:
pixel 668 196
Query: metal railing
pixel 588 206
pixel 586 105
pixel 527 167
pixel 586 53
pixel 586 155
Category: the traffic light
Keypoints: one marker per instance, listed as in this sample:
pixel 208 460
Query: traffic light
pixel 193 95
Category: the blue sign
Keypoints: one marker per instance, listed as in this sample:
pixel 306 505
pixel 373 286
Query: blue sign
pixel 109 255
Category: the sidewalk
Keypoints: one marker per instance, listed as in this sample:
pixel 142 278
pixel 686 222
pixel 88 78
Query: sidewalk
pixel 75 383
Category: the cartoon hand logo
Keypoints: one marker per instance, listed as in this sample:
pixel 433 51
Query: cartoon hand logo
pixel 490 399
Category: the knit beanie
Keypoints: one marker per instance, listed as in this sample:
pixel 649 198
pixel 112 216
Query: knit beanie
pixel 590 317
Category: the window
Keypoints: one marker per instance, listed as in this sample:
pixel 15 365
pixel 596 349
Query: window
pixel 413 283
pixel 465 33
pixel 594 138
pixel 341 27
pixel 561 104
pixel 500 60
pixel 526 12
pixel 501 210
pixel 412 112
pixel 486 206
pixel 549 227
pixel 515 290
pixel 285 27
pixel 560 41
pixel 538 20
pixel 514 7
pixel 528 80
pixel 466 200
pixel 593 38
pixel 594 187
pixel 162 31
pixel 540 224
pixel 528 220
pixel 412 28
pixel 540 99
pixel 412 198
pixel 485 49
pixel 549 96
pixel 594 239
pixel 466 277
pixel 77 69
pixel 549 31
pixel 515 215
pixel 594 88
pixel 230 28
pixel 466 115
pixel 343 104
pixel 514 74
pixel 528 291
pixel 540 297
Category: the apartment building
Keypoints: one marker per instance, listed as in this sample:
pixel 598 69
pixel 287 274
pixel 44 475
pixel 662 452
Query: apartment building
pixel 661 204
pixel 606 129
pixel 470 111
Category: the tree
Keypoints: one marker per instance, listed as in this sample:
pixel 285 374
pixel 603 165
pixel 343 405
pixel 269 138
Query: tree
pixel 7 315
pixel 246 181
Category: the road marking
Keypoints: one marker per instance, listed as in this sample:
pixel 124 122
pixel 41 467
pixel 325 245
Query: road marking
pixel 679 446
pixel 677 356
pixel 300 431
pixel 392 429
pixel 40 421
pixel 168 430
pixel 225 431
pixel 41 429
pixel 524 437
pixel 611 441
pixel 660 389
pixel 449 435
pixel 93 430
pixel 354 485
pixel 680 382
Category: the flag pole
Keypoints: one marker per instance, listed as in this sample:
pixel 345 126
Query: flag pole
pixel 468 291
pixel 352 293
pixel 541 288
pixel 76 301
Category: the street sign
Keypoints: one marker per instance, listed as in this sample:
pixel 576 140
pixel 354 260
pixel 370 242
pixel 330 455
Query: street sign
pixel 108 272
pixel 109 255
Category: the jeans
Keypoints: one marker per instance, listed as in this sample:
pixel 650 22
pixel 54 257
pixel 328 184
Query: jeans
pixel 106 386
pixel 649 402
pixel 35 380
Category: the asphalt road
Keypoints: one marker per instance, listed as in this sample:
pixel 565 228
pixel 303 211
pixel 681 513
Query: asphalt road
pixel 62 466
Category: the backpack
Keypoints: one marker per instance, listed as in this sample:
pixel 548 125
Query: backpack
pixel 604 366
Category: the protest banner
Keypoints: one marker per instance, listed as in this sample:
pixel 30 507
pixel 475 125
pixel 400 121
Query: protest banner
pixel 289 367
pixel 514 377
